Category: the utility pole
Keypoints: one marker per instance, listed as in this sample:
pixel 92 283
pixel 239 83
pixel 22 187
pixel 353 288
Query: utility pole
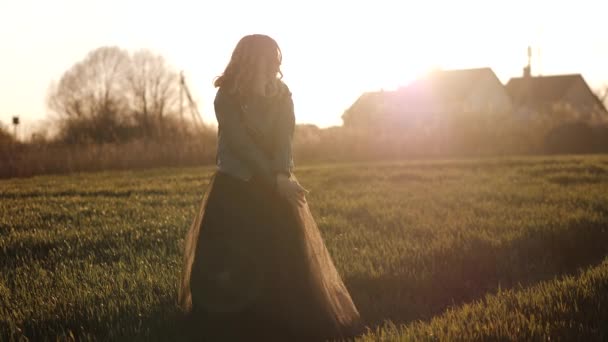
pixel 183 89
pixel 182 82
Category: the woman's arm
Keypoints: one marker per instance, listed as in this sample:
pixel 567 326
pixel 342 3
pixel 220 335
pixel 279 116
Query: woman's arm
pixel 283 160
pixel 238 140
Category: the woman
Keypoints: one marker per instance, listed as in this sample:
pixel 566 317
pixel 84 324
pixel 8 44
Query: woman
pixel 255 264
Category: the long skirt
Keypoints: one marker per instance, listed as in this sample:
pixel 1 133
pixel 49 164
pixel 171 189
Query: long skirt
pixel 256 268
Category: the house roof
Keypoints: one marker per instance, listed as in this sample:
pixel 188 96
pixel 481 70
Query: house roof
pixel 371 97
pixel 541 89
pixel 437 87
pixel 368 101
pixel 448 85
pixel 545 89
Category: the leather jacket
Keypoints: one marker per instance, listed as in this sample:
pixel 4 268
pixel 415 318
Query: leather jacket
pixel 255 138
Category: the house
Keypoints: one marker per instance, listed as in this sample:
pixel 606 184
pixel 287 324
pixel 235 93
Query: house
pixel 533 94
pixel 367 109
pixel 438 94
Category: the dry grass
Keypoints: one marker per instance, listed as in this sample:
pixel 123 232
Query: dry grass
pixel 24 160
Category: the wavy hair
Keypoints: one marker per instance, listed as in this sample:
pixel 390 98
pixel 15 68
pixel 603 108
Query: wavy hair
pixel 238 77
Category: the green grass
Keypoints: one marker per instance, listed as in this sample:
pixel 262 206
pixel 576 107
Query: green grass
pixel 509 249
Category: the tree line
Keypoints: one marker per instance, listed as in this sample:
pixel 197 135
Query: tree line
pixel 113 95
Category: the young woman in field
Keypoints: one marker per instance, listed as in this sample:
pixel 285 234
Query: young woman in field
pixel 255 264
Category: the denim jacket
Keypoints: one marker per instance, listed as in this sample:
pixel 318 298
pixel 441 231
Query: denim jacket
pixel 255 140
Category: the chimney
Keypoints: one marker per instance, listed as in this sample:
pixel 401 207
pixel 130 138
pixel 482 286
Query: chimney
pixel 528 68
pixel 527 73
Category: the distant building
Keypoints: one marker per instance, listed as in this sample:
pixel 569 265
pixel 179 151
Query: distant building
pixel 533 94
pixel 438 94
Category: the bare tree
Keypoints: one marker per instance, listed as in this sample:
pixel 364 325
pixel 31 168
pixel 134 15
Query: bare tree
pixel 114 96
pixel 153 91
pixel 88 98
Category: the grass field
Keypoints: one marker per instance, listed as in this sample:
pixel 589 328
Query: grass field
pixel 509 249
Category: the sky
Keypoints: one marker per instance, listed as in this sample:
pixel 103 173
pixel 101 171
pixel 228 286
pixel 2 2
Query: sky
pixel 332 50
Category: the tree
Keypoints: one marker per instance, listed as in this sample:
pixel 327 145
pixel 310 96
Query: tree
pixel 6 138
pixel 89 97
pixel 153 91
pixel 114 96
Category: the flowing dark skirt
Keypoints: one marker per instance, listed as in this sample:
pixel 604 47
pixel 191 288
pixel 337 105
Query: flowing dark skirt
pixel 256 267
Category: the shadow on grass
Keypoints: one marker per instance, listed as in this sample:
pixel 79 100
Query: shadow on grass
pixel 464 275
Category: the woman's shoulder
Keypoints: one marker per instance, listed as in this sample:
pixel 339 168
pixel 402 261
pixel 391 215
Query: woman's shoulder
pixel 284 90
pixel 225 96
pixel 223 92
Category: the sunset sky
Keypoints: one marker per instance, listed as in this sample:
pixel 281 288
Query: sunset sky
pixel 333 50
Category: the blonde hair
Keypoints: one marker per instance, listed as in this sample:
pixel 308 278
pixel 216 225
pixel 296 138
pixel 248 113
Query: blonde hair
pixel 239 74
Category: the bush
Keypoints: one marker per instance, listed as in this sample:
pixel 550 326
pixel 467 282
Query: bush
pixel 571 137
pixel 6 138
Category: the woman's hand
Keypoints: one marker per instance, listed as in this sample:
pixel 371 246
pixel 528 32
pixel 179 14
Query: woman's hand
pixel 291 190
